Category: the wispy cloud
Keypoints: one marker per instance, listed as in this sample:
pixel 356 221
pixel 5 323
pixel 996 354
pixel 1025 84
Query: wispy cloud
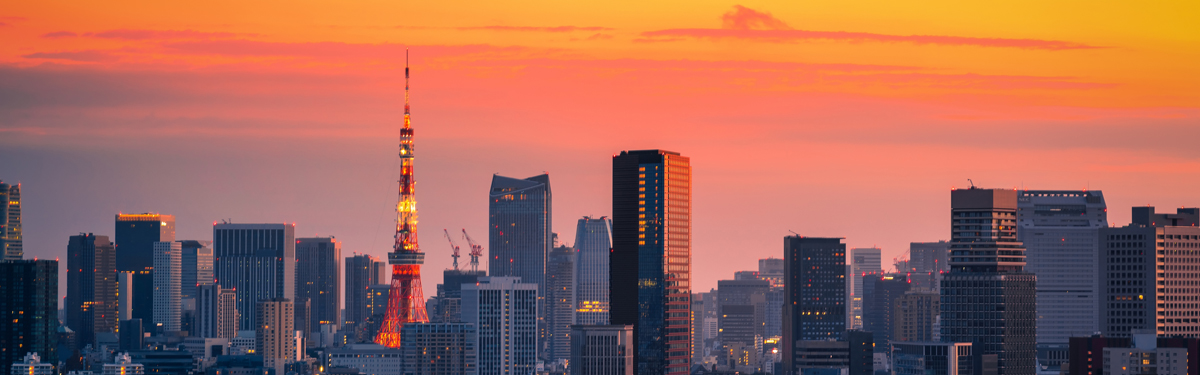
pixel 337 50
pixel 554 29
pixel 83 56
pixel 128 34
pixel 60 34
pixel 748 24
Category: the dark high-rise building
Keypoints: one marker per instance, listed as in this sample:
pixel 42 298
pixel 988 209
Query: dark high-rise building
pixel 257 261
pixel 216 312
pixel 11 239
pixel 879 306
pixel 28 310
pixel 519 232
pixel 649 263
pixel 602 350
pixel 560 302
pixel 1148 274
pixel 91 304
pixel 928 257
pixel 741 314
pixel 914 317
pixel 318 279
pixel 362 271
pixel 593 240
pixel 987 298
pixel 131 335
pixel 135 238
pixel 196 266
pixel 814 305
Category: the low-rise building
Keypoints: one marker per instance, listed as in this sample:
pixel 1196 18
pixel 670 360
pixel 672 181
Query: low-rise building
pixel 932 358
pixel 123 365
pixel 369 359
pixel 32 365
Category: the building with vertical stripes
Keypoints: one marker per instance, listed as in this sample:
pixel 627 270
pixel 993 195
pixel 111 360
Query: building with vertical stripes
pixel 257 261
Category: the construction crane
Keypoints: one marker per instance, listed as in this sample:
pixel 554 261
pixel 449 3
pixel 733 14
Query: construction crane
pixel 476 251
pixel 452 246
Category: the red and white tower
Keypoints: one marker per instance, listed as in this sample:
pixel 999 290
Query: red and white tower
pixel 406 302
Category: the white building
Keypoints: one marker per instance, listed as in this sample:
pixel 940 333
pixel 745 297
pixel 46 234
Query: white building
pixel 369 359
pixel 1145 357
pixel 504 311
pixel 167 279
pixel 32 365
pixel 122 365
pixel 862 260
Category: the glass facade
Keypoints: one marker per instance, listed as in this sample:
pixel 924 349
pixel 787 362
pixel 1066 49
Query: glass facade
pixel 91 303
pixel 258 261
pixel 318 273
pixel 814 292
pixel 135 238
pixel 197 266
pixel 593 240
pixel 504 312
pixel 519 231
pixel 11 239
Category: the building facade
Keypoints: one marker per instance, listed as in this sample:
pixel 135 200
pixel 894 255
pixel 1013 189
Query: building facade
pixel 915 317
pixel 362 271
pixel 91 303
pixel 649 266
pixel 741 311
pixel 519 230
pixel 167 278
pixel 504 312
pixel 1148 274
pixel 367 359
pixel 602 350
pixel 28 310
pixel 879 305
pixel 274 333
pixel 318 279
pixel 439 349
pixel 196 266
pixel 932 358
pixel 257 261
pixel 862 261
pixel 987 298
pixel 814 306
pixel 11 238
pixel 593 240
pixel 560 302
pixel 135 238
pixel 216 312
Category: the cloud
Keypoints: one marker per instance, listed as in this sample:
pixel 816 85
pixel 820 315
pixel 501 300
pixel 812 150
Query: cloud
pixel 749 24
pixel 336 50
pixel 83 56
pixel 59 34
pixel 599 36
pixel 128 34
pixel 743 18
pixel 555 29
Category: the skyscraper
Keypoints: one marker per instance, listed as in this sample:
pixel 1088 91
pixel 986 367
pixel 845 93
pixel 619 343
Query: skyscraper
pixel 1149 274
pixel 742 310
pixel 930 256
pixel 914 316
pixel 216 312
pixel 560 302
pixel 274 334
pixel 771 269
pixel 1060 230
pixel 814 305
pixel 519 217
pixel 504 312
pixel 28 310
pixel 879 304
pixel 362 271
pixel 196 266
pixel 91 304
pixel 651 255
pixel 318 278
pixel 167 269
pixel 135 238
pixel 593 240
pixel 862 261
pixel 987 298
pixel 11 239
pixel 602 350
pixel 439 349
pixel 258 261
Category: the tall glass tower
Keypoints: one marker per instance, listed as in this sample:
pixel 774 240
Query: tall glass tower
pixel 135 238
pixel 987 298
pixel 258 261
pixel 519 231
pixel 593 240
pixel 651 255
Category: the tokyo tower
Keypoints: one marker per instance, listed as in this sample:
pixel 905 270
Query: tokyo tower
pixel 406 302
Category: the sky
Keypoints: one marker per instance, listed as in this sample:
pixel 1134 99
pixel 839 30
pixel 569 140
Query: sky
pixel 846 119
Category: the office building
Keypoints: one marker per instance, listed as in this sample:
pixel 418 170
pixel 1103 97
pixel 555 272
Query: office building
pixel 862 352
pixel 123 365
pixel 649 266
pixel 32 364
pixel 814 293
pixel 318 278
pixel 879 306
pixel 167 277
pixel 741 316
pixel 1147 353
pixel 1149 274
pixel 196 266
pixel 593 240
pixel 560 302
pixel 124 295
pixel 257 261
pixel 941 358
pixel 368 359
pixel 987 298
pixel 849 355
pixel 504 312
pixel 602 350
pixel 926 257
pixel 216 312
pixel 697 314
pixel 11 239
pixel 1087 353
pixel 164 362
pixel 28 311
pixel 131 335
pixel 915 317
pixel 135 238
pixel 862 261
pixel 439 349
pixel 519 231
pixel 447 306
pixel 771 269
pixel 362 271
pixel 91 303
pixel 274 335
pixel 773 325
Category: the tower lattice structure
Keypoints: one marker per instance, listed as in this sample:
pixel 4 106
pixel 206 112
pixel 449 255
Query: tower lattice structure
pixel 406 302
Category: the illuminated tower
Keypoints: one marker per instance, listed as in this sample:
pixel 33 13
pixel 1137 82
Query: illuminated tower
pixel 406 302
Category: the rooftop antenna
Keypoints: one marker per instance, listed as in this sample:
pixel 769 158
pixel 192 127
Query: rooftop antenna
pixel 797 234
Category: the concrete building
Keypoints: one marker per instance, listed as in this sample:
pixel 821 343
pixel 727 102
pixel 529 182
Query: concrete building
pixel 167 277
pixel 932 358
pixel 1151 355
pixel 771 270
pixel 123 365
pixel 362 271
pixel 135 238
pixel 602 350
pixel 504 312
pixel 196 266
pixel 741 316
pixel 987 298
pixel 439 349
pixel 1060 230
pixel 369 359
pixel 216 312
pixel 814 293
pixel 1149 274
pixel 164 362
pixel 560 302
pixel 274 333
pixel 650 262
pixel 318 279
pixel 32 365
pixel 819 357
pixel 915 317
pixel 28 311
pixel 879 306
pixel 91 303
pixel 862 261
pixel 257 261
pixel 928 262
pixel 1087 354
pixel 593 241
pixel 11 238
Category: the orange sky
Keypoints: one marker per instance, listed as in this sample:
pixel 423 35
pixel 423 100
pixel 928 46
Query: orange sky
pixel 828 118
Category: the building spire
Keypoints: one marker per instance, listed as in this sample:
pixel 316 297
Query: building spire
pixel 407 121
